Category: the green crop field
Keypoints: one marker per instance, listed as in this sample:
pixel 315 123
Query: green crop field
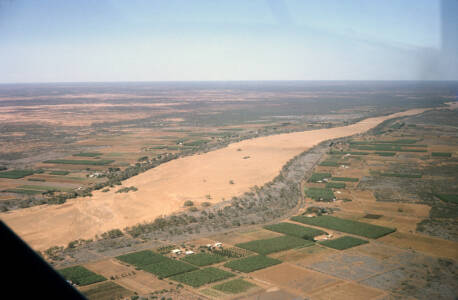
pixel 15 174
pixel 319 177
pixel 359 153
pixel 344 225
pixel 100 162
pixel 387 174
pixel 36 179
pixel 142 258
pixel 385 153
pixel 44 188
pixel 59 172
pixel 348 179
pixel 81 276
pixel 320 194
pixel 329 163
pixel 295 230
pixel 24 192
pixel 107 291
pixel 276 244
pixel 252 263
pixel 344 242
pixel 168 267
pixel 235 286
pixel 335 185
pixel 441 154
pixel 196 143
pixel 203 276
pixel 203 259
pixel 88 154
pixel 448 198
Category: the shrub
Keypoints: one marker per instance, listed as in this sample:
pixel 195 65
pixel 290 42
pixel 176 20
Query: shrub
pixel 188 203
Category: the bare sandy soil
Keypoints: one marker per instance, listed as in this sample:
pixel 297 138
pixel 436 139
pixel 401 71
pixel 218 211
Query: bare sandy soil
pixel 164 189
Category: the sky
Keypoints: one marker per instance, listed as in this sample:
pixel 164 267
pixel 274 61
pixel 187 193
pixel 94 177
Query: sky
pixel 170 40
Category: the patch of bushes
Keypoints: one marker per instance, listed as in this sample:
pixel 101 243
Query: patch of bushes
pixel 127 189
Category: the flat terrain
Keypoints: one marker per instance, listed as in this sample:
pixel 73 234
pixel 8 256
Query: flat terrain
pixel 164 189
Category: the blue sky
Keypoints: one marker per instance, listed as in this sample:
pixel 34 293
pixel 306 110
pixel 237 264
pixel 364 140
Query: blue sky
pixel 61 41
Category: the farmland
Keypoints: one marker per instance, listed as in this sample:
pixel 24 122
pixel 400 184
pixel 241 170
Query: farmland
pixel 235 286
pixel 347 226
pixel 156 264
pixel 281 243
pixel 252 263
pixel 15 174
pixel 320 194
pixel 203 276
pixel 344 242
pixel 100 162
pixel 335 185
pixel 107 290
pixel 364 185
pixel 295 230
pixel 168 267
pixel 81 276
pixel 203 259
